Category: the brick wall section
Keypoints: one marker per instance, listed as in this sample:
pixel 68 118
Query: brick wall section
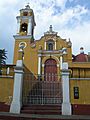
pixel 4 107
pixel 81 109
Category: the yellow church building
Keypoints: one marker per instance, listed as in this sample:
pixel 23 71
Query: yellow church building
pixel 44 73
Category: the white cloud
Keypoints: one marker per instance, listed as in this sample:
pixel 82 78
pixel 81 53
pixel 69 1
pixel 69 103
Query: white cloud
pixel 44 16
pixel 80 37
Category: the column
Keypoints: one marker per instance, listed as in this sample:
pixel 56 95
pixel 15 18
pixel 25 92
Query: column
pixel 30 26
pixel 66 106
pixel 18 82
pixel 39 66
pixel 55 45
pixel 45 45
pixel 18 25
pixel 61 61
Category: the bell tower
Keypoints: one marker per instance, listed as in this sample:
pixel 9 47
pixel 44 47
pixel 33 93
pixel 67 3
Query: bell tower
pixel 26 22
pixel 25 31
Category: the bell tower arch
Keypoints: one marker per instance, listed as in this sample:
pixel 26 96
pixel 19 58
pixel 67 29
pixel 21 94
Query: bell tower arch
pixel 26 22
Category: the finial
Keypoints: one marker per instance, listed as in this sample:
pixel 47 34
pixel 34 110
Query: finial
pixel 50 28
pixel 50 31
pixel 81 50
pixel 28 6
pixel 28 3
pixel 69 42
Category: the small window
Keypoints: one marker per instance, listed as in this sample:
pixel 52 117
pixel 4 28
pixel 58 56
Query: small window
pixel 76 92
pixel 25 13
pixel 50 46
pixel 23 27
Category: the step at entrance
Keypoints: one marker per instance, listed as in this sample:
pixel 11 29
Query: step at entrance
pixel 42 109
pixel 42 92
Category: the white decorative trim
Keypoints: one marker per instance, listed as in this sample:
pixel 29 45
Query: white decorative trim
pixel 55 45
pixel 8 71
pixel 61 61
pixel 51 54
pixel 30 27
pixel 39 55
pixel 23 17
pixel 43 73
pixel 79 78
pixel 19 63
pixel 4 76
pixel 39 65
pixel 22 37
pixel 57 65
pixel 66 106
pixel 45 45
pixel 65 66
pixel 18 25
pixel 43 65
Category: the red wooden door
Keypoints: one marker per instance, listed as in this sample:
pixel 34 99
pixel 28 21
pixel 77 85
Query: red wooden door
pixel 50 70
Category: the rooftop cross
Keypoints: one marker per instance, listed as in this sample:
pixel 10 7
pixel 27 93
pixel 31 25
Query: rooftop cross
pixel 50 32
pixel 50 28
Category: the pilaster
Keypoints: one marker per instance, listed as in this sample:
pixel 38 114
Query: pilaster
pixel 61 61
pixel 66 105
pixel 18 82
pixel 30 26
pixel 18 25
pixel 39 66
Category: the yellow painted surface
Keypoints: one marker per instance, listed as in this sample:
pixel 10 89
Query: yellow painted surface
pixel 80 72
pixel 84 91
pixel 80 65
pixel 5 70
pixel 6 89
pixel 31 52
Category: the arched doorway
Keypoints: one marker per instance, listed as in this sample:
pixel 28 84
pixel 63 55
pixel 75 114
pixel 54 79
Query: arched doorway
pixel 50 70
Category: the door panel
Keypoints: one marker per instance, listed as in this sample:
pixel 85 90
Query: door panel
pixel 50 70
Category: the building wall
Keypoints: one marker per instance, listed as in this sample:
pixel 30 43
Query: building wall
pixel 31 52
pixel 6 89
pixel 84 91
pixel 8 70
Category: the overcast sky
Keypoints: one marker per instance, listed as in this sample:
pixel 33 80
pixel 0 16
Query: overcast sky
pixel 70 18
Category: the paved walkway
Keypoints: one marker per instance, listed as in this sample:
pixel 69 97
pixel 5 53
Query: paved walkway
pixel 65 117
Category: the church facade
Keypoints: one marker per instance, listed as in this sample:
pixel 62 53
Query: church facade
pixel 45 71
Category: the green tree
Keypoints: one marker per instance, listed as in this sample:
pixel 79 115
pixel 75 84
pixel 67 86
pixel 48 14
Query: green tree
pixel 3 58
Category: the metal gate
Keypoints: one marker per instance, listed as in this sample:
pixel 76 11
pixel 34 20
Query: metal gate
pixel 38 90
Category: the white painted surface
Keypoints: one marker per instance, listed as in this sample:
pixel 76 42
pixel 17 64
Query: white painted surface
pixel 61 60
pixel 30 27
pixel 45 45
pixel 18 25
pixel 66 109
pixel 17 92
pixel 19 63
pixel 55 45
pixel 39 65
pixel 65 66
pixel 8 71
pixel 65 83
pixel 43 65
pixel 66 106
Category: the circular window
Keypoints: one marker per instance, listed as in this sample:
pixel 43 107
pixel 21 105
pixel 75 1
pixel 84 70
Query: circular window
pixel 22 45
